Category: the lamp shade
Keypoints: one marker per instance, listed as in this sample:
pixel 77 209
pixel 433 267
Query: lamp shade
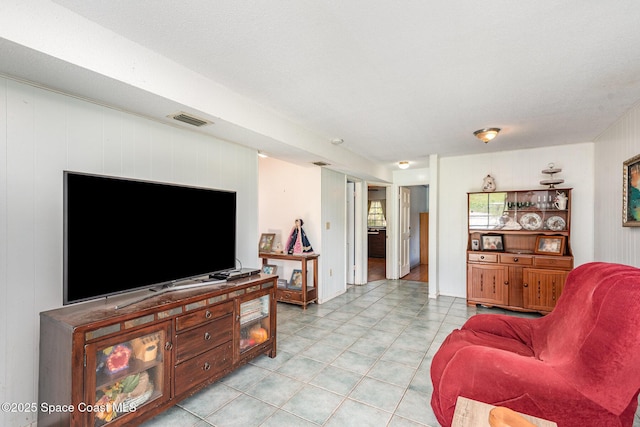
pixel 487 134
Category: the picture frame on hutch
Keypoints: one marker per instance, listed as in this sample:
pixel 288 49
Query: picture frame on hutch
pixel 550 245
pixel 631 192
pixel 492 242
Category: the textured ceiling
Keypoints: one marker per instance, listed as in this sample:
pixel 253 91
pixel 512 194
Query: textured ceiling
pixel 403 80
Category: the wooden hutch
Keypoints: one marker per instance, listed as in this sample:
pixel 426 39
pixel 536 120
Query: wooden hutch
pixel 519 248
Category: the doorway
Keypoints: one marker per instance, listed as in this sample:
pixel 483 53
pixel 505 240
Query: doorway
pixel 414 203
pixel 376 233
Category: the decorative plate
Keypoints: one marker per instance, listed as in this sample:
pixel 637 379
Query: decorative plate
pixel 531 221
pixel 556 223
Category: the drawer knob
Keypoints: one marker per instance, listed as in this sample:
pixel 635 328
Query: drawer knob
pixel 168 346
pixel 481 256
pixel 208 314
pixel 516 260
pixel 526 285
pixel 206 366
pixel 207 336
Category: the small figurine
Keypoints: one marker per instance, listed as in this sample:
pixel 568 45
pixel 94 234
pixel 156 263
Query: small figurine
pixel 298 242
pixel 488 184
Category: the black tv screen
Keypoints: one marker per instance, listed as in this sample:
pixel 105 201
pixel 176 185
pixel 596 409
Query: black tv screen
pixel 122 234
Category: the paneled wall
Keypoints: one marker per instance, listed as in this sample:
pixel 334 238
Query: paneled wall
pixel 43 133
pixel 615 243
pixel 334 234
pixel 512 170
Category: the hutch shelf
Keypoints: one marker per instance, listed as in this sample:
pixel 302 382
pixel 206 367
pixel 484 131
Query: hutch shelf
pixel 103 365
pixel 519 249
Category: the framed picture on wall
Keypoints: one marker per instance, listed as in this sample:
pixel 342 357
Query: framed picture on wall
pixel 631 192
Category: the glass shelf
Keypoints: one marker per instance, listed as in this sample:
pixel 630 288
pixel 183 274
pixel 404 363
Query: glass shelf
pixel 129 374
pixel 254 323
pixel 513 211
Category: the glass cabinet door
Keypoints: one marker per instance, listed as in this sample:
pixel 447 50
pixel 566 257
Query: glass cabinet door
pixel 530 210
pixel 254 322
pixel 125 374
pixel 486 209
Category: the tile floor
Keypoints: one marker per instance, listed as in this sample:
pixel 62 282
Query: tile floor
pixel 361 359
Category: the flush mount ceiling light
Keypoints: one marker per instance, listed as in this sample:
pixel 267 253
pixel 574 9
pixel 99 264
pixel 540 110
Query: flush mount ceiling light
pixel 403 164
pixel 487 134
pixel 337 141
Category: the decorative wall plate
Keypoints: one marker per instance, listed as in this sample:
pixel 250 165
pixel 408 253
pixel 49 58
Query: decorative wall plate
pixel 556 223
pixel 531 221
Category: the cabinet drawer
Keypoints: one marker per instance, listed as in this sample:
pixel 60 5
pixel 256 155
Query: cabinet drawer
pixel 516 259
pixel 557 262
pixel 483 257
pixel 204 315
pixel 203 338
pixel 203 367
pixel 289 295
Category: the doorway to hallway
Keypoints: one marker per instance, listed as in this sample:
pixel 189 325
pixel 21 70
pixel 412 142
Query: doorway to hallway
pixel 377 271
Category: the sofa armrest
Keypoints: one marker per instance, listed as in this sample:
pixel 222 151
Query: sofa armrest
pixel 516 328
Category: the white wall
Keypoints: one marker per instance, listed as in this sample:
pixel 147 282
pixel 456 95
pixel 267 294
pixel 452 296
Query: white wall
pixel 615 243
pixel 318 196
pixel 43 133
pixel 512 170
pixel 287 192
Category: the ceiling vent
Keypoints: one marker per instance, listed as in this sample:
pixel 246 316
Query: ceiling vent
pixel 189 119
pixel 321 164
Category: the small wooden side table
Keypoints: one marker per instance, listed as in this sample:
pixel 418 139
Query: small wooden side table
pixel 307 294
pixel 471 413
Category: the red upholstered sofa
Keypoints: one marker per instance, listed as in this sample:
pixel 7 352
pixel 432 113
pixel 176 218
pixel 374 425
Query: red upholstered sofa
pixel 578 366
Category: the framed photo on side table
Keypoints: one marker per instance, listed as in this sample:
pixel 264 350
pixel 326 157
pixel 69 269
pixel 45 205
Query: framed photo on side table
pixel 269 269
pixel 296 279
pixel 266 242
pixel 631 192
pixel 550 245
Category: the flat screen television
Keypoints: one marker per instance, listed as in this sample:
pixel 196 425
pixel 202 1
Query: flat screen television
pixel 122 234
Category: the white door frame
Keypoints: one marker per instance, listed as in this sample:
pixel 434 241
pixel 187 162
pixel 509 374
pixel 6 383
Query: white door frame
pixel 404 231
pixel 351 233
pixel 358 228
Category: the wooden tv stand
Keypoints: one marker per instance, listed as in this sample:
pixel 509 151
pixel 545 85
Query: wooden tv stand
pixel 101 365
